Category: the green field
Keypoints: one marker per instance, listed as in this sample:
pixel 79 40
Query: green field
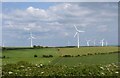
pixel 86 50
pixel 93 59
pixel 85 61
pixel 14 56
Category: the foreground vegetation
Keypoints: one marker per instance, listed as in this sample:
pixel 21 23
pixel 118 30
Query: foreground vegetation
pixel 26 69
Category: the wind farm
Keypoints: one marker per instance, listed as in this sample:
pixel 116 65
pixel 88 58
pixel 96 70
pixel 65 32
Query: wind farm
pixel 59 40
pixel 93 53
pixel 38 57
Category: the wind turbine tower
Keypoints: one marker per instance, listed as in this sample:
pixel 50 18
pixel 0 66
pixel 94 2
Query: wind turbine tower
pixel 94 42
pixel 31 39
pixel 106 43
pixel 88 41
pixel 68 44
pixel 77 34
pixel 102 42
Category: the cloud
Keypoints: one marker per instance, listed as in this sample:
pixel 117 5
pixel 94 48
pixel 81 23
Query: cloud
pixel 58 20
pixel 102 28
pixel 37 12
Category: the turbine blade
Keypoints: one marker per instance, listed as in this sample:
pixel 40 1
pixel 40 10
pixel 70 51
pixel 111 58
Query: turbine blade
pixel 75 27
pixel 75 34
pixel 80 31
pixel 33 37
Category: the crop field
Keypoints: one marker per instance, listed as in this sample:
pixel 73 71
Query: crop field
pixel 14 56
pixel 92 59
pixel 86 50
pixel 60 58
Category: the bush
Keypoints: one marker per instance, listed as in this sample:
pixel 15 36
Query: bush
pixel 37 46
pixel 103 53
pixel 35 55
pixel 90 54
pixel 67 56
pixel 96 53
pixel 47 56
pixel 78 55
pixel 3 48
pixel 34 46
pixel 58 49
pixel 50 55
pixel 3 57
pixel 84 55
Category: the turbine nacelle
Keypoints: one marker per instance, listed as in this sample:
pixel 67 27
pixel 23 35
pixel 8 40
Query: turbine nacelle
pixel 31 37
pixel 78 31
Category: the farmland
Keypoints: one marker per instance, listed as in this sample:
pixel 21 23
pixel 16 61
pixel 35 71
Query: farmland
pixel 58 58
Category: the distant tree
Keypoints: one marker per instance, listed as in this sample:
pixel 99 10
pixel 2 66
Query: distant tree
pixel 34 46
pixel 46 47
pixel 38 46
pixel 3 48
pixel 41 46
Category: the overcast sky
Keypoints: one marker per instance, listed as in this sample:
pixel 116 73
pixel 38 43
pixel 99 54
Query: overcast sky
pixel 52 24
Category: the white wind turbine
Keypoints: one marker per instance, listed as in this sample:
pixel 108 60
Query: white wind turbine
pixel 102 42
pixel 88 41
pixel 68 44
pixel 77 34
pixel 106 43
pixel 94 42
pixel 31 39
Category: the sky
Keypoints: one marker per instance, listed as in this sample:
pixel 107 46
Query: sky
pixel 52 23
pixel 60 0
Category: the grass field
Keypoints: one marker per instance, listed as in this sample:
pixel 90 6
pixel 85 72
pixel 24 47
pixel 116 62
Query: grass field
pixel 86 50
pixel 85 61
pixel 93 59
pixel 14 56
